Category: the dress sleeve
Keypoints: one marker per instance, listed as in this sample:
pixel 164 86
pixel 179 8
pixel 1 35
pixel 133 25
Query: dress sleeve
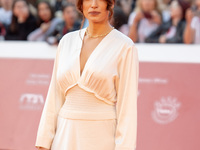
pixel 126 106
pixel 54 101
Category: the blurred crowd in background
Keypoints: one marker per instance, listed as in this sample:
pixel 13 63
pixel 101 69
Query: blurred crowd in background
pixel 144 21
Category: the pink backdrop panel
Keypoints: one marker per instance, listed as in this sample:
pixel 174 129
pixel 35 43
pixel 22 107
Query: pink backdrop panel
pixel 168 104
pixel 24 85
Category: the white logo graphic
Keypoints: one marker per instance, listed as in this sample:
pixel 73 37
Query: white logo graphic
pixel 165 110
pixel 31 101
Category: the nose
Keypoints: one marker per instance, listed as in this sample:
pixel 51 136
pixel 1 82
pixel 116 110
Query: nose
pixel 94 4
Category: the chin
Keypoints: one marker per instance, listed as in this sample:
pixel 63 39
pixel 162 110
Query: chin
pixel 95 20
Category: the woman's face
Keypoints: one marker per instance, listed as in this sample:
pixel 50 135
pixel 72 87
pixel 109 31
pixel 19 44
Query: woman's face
pixel 95 10
pixel 70 14
pixel 197 3
pixel 44 12
pixel 148 5
pixel 175 10
pixel 21 9
pixel 6 3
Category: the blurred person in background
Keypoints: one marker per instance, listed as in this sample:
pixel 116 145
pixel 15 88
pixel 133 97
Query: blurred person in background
pixel 145 19
pixel 23 22
pixel 119 20
pixel 85 24
pixel 2 32
pixel 192 30
pixel 165 8
pixel 126 6
pixel 60 3
pixel 6 12
pixel 70 23
pixel 46 22
pixel 172 30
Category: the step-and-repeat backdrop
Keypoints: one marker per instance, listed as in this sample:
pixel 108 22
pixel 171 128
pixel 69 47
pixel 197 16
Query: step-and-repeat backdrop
pixel 168 96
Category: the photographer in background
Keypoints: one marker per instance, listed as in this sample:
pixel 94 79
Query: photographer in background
pixel 192 30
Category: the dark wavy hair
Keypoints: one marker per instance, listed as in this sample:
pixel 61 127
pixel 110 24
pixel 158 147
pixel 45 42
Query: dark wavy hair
pixel 40 21
pixel 79 6
pixel 13 25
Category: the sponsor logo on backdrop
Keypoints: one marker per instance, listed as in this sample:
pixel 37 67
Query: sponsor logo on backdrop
pixel 31 101
pixel 138 92
pixel 38 79
pixel 155 80
pixel 165 110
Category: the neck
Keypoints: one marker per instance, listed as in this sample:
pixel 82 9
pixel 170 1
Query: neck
pixel 69 25
pixel 175 21
pixel 98 28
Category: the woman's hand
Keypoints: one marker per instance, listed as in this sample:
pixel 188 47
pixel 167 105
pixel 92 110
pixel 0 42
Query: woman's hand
pixel 156 17
pixel 162 39
pixel 189 16
pixel 45 26
pixel 42 148
pixel 138 17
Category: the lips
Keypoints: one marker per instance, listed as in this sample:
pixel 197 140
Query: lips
pixel 94 13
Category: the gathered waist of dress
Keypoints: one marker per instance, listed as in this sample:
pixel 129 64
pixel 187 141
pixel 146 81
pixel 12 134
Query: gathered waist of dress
pixel 81 104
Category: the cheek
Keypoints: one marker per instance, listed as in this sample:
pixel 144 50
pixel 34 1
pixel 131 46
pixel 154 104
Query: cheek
pixel 198 3
pixel 85 8
pixel 26 11
pixel 152 5
pixel 172 12
pixel 40 14
pixel 48 13
pixel 15 11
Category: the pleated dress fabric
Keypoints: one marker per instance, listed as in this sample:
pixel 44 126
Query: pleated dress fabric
pixel 97 109
pixel 78 128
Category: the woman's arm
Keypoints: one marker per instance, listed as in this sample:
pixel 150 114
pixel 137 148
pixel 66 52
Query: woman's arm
pixel 178 37
pixel 33 36
pixel 41 148
pixel 133 31
pixel 126 107
pixel 54 101
pixel 39 34
pixel 189 32
pixel 156 17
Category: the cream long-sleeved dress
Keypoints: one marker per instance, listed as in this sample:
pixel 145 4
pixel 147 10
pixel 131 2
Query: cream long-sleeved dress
pixel 95 110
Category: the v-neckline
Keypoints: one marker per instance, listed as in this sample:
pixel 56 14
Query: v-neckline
pixel 81 45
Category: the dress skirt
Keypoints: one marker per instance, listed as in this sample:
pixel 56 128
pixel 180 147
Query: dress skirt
pixel 85 123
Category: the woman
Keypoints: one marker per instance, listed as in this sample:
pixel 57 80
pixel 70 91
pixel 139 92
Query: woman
pixel 144 20
pixel 47 23
pixel 172 30
pixel 119 20
pixel 22 22
pixel 6 12
pixel 70 23
pixel 165 8
pixel 92 99
pixel 192 30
